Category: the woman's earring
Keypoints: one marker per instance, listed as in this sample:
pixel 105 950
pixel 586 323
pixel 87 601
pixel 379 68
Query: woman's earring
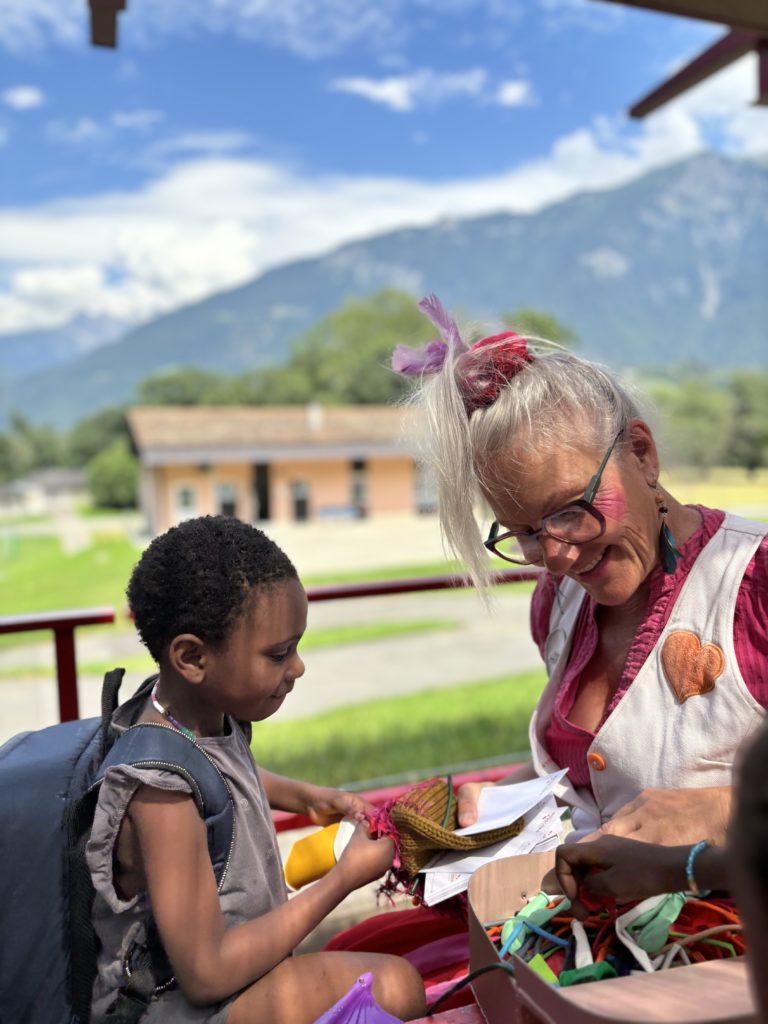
pixel 667 547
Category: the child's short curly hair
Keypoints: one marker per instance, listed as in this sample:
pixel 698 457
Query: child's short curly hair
pixel 200 578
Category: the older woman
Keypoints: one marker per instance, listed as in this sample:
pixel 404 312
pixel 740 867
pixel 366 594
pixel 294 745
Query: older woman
pixel 651 615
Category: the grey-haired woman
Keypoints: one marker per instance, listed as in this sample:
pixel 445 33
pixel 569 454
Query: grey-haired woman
pixel 650 615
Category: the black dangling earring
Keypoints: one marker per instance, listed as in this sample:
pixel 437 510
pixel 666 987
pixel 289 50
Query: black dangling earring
pixel 667 547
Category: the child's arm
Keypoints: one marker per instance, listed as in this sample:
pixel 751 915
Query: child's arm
pixel 211 961
pixel 322 804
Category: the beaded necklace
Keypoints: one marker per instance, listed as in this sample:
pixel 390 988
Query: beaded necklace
pixel 167 714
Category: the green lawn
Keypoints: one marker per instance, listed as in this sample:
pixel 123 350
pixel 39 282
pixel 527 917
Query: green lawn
pixel 404 736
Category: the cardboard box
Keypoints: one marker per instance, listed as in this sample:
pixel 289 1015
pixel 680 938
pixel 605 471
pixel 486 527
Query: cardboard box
pixel 717 992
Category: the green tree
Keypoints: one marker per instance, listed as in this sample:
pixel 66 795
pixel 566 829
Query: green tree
pixel 345 357
pixel 36 447
pixel 93 434
pixel 697 421
pixel 184 386
pixel 748 440
pixel 113 476
pixel 538 324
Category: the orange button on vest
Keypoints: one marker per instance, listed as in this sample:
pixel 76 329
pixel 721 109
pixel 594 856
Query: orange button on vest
pixel 596 761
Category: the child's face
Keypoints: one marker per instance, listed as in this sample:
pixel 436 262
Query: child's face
pixel 251 676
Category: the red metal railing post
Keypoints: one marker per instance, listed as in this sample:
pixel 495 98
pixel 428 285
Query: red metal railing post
pixel 63 626
pixel 66 673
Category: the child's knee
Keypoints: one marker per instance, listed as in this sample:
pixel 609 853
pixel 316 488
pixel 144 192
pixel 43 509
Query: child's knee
pixel 398 987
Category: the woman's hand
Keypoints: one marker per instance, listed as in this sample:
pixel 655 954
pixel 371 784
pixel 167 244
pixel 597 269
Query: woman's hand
pixel 468 794
pixel 365 859
pixel 466 801
pixel 618 869
pixel 668 816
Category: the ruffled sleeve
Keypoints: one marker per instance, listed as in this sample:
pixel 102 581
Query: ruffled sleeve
pixel 117 790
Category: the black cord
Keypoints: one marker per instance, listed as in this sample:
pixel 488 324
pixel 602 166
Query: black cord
pixel 465 981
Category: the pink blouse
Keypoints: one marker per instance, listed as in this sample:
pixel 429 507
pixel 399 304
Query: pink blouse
pixel 567 743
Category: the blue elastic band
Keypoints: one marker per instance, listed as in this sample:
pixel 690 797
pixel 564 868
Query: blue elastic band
pixel 524 923
pixel 689 866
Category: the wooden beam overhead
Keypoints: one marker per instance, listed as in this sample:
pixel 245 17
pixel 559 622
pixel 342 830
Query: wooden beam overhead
pixel 719 55
pixel 745 15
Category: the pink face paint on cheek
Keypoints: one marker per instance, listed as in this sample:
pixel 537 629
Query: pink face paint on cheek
pixel 612 502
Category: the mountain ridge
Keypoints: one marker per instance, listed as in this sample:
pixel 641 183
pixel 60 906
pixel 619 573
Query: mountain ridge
pixel 667 268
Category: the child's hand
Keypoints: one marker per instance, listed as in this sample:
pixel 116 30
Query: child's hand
pixel 324 805
pixel 365 859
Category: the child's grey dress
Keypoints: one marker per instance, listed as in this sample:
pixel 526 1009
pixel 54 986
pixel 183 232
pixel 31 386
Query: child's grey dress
pixel 253 885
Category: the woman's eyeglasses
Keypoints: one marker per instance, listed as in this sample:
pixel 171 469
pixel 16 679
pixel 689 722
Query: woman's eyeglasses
pixel 577 523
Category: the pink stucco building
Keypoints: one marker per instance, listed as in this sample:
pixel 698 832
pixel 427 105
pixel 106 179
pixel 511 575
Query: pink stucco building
pixel 274 462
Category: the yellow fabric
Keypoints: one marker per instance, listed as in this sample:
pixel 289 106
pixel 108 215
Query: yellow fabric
pixel 311 857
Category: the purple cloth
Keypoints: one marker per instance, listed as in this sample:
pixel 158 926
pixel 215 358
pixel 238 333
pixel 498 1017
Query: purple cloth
pixel 358 1007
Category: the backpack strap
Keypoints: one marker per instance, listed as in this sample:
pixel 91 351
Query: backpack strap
pixel 109 694
pixel 151 745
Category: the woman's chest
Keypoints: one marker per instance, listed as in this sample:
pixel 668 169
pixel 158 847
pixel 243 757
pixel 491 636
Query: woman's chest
pixel 602 674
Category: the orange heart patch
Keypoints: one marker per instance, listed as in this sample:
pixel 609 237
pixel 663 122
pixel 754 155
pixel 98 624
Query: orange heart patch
pixel 691 667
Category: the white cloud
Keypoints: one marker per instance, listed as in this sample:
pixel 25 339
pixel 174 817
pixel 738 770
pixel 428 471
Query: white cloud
pixel 563 15
pixel 420 88
pixel 515 92
pixel 139 120
pixel 309 28
pixel 80 130
pixel 427 87
pixel 23 97
pixel 216 220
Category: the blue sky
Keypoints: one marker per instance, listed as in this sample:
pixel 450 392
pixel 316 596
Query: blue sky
pixel 223 137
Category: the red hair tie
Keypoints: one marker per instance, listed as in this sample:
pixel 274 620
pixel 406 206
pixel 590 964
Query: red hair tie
pixel 490 364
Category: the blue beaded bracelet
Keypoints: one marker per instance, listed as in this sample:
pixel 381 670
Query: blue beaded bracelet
pixel 693 887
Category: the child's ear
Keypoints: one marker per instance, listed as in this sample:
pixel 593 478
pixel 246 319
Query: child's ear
pixel 187 655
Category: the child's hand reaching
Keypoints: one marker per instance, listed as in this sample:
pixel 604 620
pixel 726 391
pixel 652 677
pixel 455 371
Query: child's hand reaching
pixel 365 859
pixel 321 804
pixel 324 805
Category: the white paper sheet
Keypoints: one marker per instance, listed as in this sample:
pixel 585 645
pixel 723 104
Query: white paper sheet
pixel 500 805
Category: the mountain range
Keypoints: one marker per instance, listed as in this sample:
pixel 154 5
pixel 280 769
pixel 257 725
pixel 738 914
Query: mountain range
pixel 667 269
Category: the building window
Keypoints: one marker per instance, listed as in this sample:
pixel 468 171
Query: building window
pixel 425 490
pixel 186 503
pixel 226 499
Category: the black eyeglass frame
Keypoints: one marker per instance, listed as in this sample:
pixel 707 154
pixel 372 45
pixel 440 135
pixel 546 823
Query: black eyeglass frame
pixel 584 503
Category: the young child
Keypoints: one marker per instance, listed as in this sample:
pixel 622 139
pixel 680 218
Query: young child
pixel 221 609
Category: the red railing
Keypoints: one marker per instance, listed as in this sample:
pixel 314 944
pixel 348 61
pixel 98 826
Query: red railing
pixel 64 624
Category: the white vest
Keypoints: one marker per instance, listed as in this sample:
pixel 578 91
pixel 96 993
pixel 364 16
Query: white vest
pixel 684 716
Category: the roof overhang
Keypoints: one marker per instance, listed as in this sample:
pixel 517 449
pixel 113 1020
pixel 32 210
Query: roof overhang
pixel 201 455
pixel 748 24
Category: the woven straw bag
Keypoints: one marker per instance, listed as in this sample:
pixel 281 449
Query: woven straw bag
pixel 425 818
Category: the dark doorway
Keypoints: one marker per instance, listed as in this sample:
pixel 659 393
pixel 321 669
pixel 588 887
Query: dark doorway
pixel 261 491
